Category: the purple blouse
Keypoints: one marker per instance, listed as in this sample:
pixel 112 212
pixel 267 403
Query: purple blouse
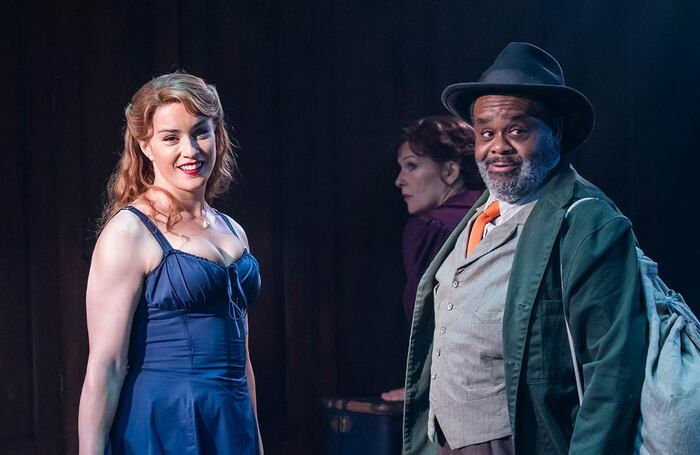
pixel 424 235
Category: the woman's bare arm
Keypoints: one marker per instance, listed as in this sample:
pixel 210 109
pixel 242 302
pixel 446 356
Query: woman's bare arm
pixel 118 267
pixel 251 390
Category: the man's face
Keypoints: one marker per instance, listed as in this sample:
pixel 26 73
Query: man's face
pixel 514 150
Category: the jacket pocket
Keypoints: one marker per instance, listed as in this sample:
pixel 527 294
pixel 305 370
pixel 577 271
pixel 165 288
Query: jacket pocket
pixel 488 317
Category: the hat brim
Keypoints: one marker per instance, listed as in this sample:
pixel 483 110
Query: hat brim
pixel 572 105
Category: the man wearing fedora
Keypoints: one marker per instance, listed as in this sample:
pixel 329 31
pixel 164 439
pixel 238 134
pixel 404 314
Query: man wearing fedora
pixel 489 364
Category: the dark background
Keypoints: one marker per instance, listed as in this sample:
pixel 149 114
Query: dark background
pixel 315 91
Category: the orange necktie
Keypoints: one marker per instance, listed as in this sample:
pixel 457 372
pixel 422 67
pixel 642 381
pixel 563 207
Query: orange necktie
pixel 491 213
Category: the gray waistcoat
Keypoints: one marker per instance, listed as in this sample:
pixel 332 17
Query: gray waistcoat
pixel 467 390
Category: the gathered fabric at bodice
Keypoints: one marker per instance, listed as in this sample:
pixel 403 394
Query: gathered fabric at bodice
pixel 192 315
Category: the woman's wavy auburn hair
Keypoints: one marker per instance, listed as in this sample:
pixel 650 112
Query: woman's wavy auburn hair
pixel 133 175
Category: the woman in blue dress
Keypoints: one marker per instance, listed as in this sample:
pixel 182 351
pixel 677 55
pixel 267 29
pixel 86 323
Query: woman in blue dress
pixel 169 286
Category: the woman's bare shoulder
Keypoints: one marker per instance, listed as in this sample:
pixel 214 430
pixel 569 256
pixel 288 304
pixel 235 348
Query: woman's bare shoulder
pixel 125 225
pixel 239 230
pixel 126 240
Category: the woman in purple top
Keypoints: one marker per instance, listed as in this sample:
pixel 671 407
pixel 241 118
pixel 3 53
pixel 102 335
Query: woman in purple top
pixel 439 182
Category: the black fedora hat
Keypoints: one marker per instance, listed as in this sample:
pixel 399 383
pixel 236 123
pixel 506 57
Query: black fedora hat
pixel 522 68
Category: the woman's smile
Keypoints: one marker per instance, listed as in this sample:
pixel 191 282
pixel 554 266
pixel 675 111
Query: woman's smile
pixel 192 168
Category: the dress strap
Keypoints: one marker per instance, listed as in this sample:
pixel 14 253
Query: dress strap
pixel 228 223
pixel 160 238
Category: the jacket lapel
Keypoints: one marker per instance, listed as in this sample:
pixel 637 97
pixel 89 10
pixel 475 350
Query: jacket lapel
pixel 531 258
pixel 495 239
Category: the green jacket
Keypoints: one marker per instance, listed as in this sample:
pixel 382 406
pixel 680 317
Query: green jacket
pixel 605 311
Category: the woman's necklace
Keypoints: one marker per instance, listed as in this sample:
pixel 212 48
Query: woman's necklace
pixel 205 223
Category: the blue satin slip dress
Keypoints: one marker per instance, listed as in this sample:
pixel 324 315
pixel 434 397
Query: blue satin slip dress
pixel 186 390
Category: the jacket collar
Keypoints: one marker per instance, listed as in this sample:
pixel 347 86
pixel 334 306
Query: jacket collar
pixel 559 186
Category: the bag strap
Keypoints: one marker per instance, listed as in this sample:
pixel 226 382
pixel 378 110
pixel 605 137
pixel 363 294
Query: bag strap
pixel 572 350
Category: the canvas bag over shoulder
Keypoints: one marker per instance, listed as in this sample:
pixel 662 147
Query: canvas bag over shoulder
pixel 670 398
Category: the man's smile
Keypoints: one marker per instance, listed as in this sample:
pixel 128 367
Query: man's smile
pixel 503 165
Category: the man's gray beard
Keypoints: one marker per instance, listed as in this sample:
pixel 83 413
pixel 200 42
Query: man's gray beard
pixel 528 176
